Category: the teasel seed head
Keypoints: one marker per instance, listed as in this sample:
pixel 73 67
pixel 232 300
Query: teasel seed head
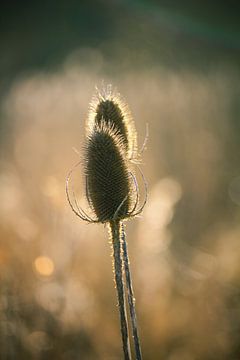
pixel 107 106
pixel 108 180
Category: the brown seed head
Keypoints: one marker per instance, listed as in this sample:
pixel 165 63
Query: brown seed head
pixel 107 175
pixel 108 107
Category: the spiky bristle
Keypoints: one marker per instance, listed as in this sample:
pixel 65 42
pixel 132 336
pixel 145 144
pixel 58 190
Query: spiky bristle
pixel 108 182
pixel 109 112
pixel 108 106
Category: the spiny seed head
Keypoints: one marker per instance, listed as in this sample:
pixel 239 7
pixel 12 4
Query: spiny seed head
pixel 107 176
pixel 107 106
pixel 109 111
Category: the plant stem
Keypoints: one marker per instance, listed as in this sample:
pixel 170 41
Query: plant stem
pixel 131 300
pixel 115 233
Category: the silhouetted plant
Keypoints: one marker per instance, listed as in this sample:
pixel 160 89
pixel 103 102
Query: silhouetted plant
pixel 112 191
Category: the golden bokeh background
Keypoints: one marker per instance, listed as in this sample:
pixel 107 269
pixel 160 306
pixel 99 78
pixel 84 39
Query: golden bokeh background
pixel 57 295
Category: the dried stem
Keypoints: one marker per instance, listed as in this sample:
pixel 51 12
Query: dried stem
pixel 131 300
pixel 116 241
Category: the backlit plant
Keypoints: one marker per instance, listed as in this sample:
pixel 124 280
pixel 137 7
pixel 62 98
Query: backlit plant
pixel 110 154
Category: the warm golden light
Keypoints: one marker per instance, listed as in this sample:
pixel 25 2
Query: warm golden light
pixel 184 250
pixel 44 265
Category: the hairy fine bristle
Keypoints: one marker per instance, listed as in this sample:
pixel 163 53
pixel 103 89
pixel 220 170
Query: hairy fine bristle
pixel 107 106
pixel 110 112
pixel 107 175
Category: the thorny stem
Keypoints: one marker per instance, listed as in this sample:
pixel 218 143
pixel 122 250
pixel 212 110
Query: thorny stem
pixel 131 300
pixel 115 233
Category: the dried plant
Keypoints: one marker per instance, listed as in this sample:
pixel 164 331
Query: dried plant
pixel 112 191
pixel 108 106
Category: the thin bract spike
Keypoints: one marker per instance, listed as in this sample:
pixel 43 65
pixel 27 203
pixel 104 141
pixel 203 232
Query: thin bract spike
pixel 70 203
pixel 145 139
pixel 119 207
pixel 87 192
pixel 137 192
pixel 146 193
pixel 80 212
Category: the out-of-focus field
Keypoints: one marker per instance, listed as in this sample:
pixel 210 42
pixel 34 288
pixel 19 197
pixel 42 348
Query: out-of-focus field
pixel 57 296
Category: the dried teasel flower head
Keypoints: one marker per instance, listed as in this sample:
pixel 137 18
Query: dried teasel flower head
pixel 111 187
pixel 108 106
pixel 108 179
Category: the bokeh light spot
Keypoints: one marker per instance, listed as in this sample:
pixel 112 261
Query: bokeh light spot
pixel 44 265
